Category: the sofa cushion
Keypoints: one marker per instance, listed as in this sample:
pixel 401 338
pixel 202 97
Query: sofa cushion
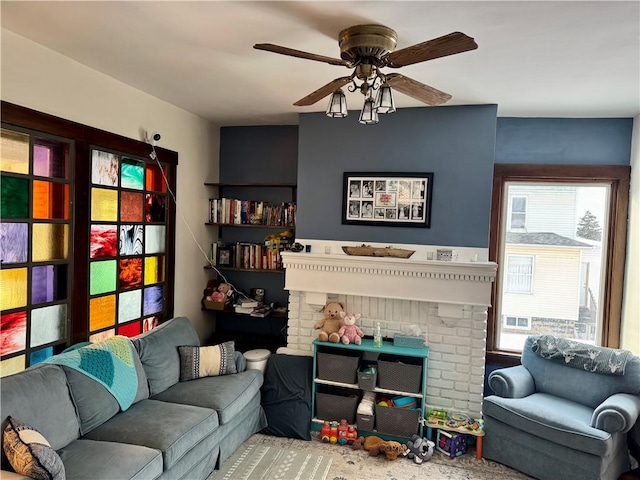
pixel 94 404
pixel 158 350
pixel 86 459
pixel 40 397
pixel 228 394
pixel 171 428
pixel 210 361
pixel 580 386
pixel 555 419
pixel 29 453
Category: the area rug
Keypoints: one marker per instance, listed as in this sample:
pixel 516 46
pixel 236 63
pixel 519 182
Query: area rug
pixel 348 464
pixel 262 462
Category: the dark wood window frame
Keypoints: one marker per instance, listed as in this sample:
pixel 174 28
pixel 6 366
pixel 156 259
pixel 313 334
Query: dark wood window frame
pixel 85 138
pixel 618 177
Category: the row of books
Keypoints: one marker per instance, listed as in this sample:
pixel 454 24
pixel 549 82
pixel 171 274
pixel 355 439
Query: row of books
pixel 244 212
pixel 248 255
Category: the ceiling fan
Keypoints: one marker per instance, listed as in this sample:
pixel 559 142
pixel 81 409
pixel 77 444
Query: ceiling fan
pixel 367 49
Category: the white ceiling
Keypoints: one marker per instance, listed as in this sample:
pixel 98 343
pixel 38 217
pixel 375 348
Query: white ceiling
pixel 535 58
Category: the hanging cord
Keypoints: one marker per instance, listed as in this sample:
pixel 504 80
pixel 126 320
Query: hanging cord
pixel 153 156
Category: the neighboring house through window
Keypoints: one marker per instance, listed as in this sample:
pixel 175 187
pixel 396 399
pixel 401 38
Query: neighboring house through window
pixel 555 275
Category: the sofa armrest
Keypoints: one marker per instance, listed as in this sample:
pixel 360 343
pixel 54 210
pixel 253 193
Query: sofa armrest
pixel 241 362
pixel 512 382
pixel 618 413
pixel 7 475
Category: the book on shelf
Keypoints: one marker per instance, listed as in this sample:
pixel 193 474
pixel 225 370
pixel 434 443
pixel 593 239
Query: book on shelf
pixel 246 310
pixel 262 311
pixel 248 302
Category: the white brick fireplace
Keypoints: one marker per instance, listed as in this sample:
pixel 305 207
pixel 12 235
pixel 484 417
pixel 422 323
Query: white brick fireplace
pixel 446 300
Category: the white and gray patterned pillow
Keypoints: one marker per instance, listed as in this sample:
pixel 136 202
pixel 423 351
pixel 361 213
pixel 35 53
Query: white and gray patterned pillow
pixel 197 362
pixel 29 453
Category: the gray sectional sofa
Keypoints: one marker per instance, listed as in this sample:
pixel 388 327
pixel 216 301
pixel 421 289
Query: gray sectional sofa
pixel 177 430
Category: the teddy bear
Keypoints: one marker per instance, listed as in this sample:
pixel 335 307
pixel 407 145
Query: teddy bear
pixel 419 448
pixel 223 293
pixel 330 322
pixel 350 332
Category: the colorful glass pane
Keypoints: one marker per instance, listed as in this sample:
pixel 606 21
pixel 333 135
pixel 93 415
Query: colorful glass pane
pixel 153 270
pixel 50 200
pixel 104 241
pixel 150 323
pixel 48 283
pixel 48 324
pixel 40 356
pixel 14 197
pixel 104 168
pixel 129 305
pixel 13 243
pixel 12 365
pixel 50 158
pixel 102 312
pixel 132 174
pixel 13 288
pixel 14 332
pixel 155 238
pixel 131 238
pixel 130 273
pixel 102 277
pixel 102 336
pixel 50 242
pixel 154 179
pixel 14 152
pixel 153 300
pixel 130 207
pixel 130 329
pixel 154 208
pixel 104 205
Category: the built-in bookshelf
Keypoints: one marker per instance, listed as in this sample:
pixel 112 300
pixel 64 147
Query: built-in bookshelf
pixel 226 211
pixel 255 222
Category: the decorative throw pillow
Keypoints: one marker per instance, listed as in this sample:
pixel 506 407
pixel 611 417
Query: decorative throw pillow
pixel 29 453
pixel 196 362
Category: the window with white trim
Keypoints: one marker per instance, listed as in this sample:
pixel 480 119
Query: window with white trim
pixel 518 216
pixel 521 323
pixel 519 274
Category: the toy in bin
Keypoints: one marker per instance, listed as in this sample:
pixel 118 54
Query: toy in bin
pixel 451 444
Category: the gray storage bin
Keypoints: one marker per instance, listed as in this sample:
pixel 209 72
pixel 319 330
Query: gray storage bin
pixel 336 407
pixel 397 421
pixel 399 373
pixel 338 367
pixel 365 422
pixel 367 381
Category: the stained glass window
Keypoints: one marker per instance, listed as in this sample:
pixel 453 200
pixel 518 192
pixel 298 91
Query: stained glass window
pixel 34 247
pixel 93 225
pixel 129 216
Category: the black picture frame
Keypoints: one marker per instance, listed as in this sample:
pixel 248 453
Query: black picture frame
pixel 225 256
pixel 398 199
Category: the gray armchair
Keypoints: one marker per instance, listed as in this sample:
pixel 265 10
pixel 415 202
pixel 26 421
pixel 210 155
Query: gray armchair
pixel 565 412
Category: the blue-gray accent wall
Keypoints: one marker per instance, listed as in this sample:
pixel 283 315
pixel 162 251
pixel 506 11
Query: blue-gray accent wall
pixel 567 141
pixel 455 143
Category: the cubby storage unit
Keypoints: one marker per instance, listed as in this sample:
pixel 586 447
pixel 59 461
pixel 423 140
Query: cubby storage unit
pixel 388 422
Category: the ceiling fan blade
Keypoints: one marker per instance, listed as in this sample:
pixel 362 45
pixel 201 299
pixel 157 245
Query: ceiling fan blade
pixel 323 91
pixel 450 44
pixel 417 90
pixel 270 47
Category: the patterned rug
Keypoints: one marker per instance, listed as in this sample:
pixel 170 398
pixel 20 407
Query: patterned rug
pixel 348 464
pixel 262 462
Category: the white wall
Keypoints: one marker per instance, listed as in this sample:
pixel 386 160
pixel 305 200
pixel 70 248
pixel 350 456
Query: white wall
pixel 631 302
pixel 36 77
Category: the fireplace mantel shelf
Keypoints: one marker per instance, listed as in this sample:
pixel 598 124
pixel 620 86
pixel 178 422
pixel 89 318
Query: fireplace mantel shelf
pixel 459 283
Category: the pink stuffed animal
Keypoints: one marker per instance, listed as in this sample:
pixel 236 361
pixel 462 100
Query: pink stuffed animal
pixel 350 332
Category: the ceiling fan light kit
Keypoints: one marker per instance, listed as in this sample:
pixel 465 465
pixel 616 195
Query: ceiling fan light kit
pixel 367 49
pixel 337 107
